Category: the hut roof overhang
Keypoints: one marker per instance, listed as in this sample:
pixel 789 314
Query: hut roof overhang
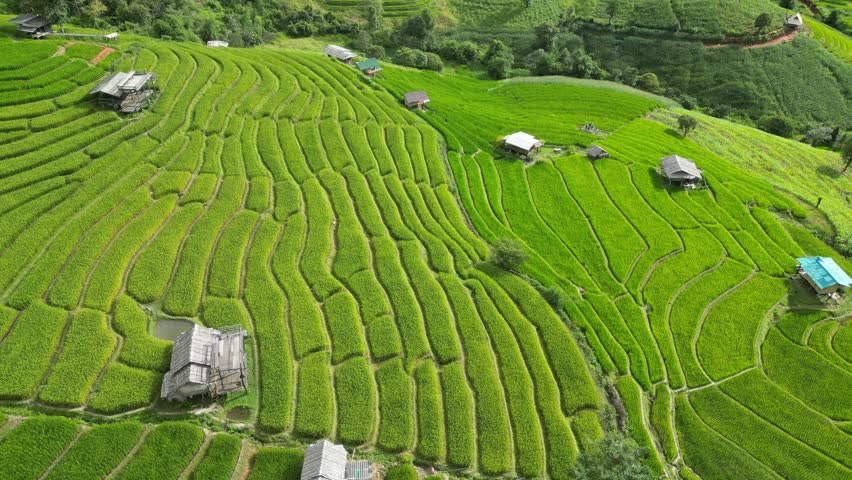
pixel 824 272
pixel 522 141
pixel 418 96
pixel 117 84
pixel 338 52
pixel 324 461
pixel 678 168
pixel 368 64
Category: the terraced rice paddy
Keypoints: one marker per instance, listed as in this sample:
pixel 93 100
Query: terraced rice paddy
pixel 284 192
pixel 681 294
pixel 836 42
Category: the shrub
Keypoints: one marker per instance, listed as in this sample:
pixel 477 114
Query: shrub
pixel 615 456
pixel 405 471
pixel 508 254
pixel 777 125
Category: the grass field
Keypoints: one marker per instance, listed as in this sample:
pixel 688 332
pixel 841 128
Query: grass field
pixel 282 191
pixel 676 291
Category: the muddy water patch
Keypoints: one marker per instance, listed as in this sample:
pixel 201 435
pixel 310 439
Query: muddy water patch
pixel 170 328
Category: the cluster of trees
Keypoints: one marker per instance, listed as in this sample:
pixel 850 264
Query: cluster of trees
pixel 240 23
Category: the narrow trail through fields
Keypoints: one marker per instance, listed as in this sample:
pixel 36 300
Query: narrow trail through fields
pixel 786 37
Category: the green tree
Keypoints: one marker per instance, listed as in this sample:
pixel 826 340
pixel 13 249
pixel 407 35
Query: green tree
pixel 614 457
pixel 546 35
pixel 612 9
pixel 649 82
pixel 788 4
pixel 686 124
pixel 833 19
pixel 508 254
pixel 498 59
pixel 762 22
pixel 375 15
pixel 846 151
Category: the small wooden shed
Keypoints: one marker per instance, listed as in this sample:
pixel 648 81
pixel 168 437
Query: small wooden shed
pixel 417 99
pixel 595 152
pixel 343 54
pixel 369 67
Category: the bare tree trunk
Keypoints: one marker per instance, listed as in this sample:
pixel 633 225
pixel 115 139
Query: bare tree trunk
pixel 848 163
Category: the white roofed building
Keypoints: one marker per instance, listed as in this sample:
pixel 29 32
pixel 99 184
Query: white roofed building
pixel 521 143
pixel 343 54
pixel 217 43
pixel 794 22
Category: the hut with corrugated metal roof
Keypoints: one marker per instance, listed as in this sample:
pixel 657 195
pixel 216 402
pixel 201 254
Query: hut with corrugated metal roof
pixel 326 461
pixel 823 274
pixel 682 171
pixel 595 152
pixel 33 25
pixel 206 361
pixel 369 67
pixel 343 54
pixel 127 92
pixel 793 22
pixel 416 99
pixel 521 143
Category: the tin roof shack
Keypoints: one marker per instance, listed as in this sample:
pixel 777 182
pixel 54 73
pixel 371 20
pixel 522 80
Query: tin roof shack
pixel 343 54
pixel 126 92
pixel 824 274
pixel 521 143
pixel 369 67
pixel 217 43
pixel 417 99
pixel 33 25
pixel 682 171
pixel 206 361
pixel 327 461
pixel 793 22
pixel 595 152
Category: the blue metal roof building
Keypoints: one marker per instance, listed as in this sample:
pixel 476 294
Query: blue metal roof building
pixel 824 274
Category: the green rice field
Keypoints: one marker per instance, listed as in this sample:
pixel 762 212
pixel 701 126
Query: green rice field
pixel 283 191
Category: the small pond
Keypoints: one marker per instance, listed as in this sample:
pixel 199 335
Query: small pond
pixel 170 328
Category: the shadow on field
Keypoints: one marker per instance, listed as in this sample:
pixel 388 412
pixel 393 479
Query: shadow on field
pixel 828 171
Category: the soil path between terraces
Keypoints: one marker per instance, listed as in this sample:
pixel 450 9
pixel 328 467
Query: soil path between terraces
pixel 106 51
pixel 787 37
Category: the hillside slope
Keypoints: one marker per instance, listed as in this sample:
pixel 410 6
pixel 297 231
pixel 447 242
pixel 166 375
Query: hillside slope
pixel 685 296
pixel 281 191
